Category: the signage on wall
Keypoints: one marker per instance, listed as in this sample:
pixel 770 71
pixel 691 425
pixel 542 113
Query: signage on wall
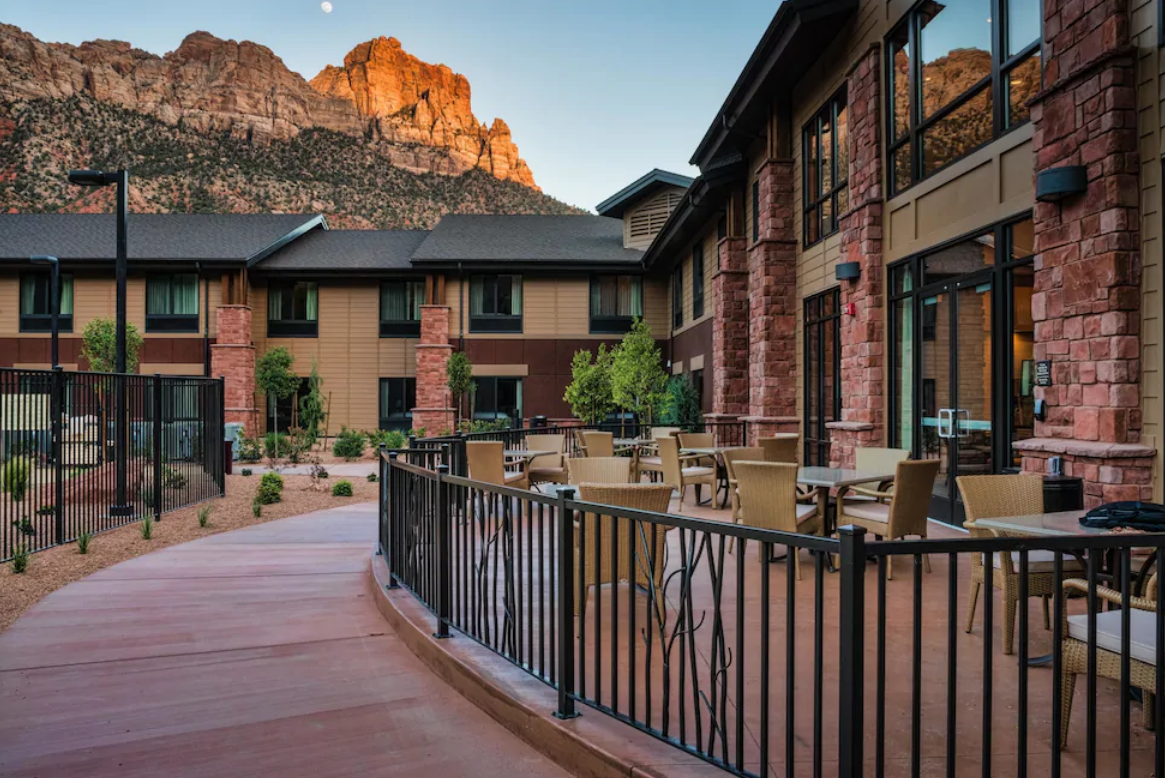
pixel 1044 372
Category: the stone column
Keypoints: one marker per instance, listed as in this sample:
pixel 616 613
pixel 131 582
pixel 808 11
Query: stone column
pixel 730 332
pixel 1086 302
pixel 233 356
pixel 434 411
pixel 863 347
pixel 772 306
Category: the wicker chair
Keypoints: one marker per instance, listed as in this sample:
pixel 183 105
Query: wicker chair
pixel 680 472
pixel 995 496
pixel 549 469
pixel 580 444
pixel 698 440
pixel 768 498
pixel 785 447
pixel 663 432
pixel 874 458
pixel 598 470
pixel 903 515
pixel 731 457
pixel 650 539
pixel 486 461
pixel 1142 652
pixel 598 444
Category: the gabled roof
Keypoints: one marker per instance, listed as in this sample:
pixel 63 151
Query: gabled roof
pixel 617 203
pixel 529 240
pixel 347 251
pixel 192 237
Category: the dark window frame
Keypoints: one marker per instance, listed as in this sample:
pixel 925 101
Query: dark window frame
pixel 397 421
pixel 43 322
pixel 677 297
pixel 818 317
pixel 755 210
pixel 173 322
pixel 697 281
pixel 618 324
pixel 997 83
pixel 811 133
pixel 496 322
pixel 400 328
pixel 283 420
pixel 292 327
pixel 496 413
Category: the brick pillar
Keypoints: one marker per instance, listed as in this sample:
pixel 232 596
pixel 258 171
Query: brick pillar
pixel 772 306
pixel 233 356
pixel 730 332
pixel 863 401
pixel 434 411
pixel 1086 301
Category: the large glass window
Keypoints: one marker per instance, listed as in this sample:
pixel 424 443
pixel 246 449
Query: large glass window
pixel 497 398
pixel 677 297
pixel 398 397
pixel 400 308
pixel 825 156
pixel 172 303
pixel 822 370
pixel 616 300
pixel 697 280
pixel 495 303
pixel 36 312
pixel 293 309
pixel 955 84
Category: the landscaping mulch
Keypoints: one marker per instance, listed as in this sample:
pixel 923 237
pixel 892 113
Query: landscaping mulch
pixel 51 569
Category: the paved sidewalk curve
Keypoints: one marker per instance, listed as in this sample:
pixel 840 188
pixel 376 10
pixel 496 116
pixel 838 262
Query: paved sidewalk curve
pixel 251 653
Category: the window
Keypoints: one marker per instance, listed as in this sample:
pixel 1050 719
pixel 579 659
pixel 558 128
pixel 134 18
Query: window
pixel 698 281
pixel 283 415
pixel 615 302
pixel 698 385
pixel 722 228
pixel 956 83
pixel 398 397
pixel 825 171
pixel 293 309
pixel 755 211
pixel 677 297
pixel 36 313
pixel 822 373
pixel 400 308
pixel 497 398
pixel 495 303
pixel 172 303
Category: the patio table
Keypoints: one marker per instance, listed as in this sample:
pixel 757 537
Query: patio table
pixel 717 453
pixel 826 479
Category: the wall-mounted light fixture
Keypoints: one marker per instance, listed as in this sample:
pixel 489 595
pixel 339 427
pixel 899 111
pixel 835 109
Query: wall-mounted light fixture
pixel 1057 183
pixel 848 271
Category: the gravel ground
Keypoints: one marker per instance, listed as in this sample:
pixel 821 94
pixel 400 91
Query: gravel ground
pixel 51 569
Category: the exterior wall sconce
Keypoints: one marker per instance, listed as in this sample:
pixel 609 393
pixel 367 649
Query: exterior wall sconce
pixel 848 271
pixel 1057 183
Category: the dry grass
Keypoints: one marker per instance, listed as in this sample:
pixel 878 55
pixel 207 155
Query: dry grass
pixel 51 569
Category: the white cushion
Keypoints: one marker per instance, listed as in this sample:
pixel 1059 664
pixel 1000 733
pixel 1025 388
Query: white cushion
pixel 1040 561
pixel 805 513
pixel 868 510
pixel 516 476
pixel 1142 632
pixel 650 461
pixel 696 472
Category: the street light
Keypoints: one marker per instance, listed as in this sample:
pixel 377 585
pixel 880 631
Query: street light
pixel 54 299
pixel 119 178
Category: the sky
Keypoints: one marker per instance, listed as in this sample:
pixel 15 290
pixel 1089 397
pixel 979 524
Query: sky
pixel 596 93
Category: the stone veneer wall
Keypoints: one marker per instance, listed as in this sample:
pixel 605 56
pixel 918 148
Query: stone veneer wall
pixel 232 356
pixel 730 332
pixel 1086 303
pixel 434 411
pixel 863 348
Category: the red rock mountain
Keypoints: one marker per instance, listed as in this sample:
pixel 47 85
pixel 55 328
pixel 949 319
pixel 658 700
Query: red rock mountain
pixel 418 114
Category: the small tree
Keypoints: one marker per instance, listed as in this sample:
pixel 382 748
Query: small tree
pixel 589 392
pixel 99 346
pixel 274 377
pixel 311 407
pixel 459 377
pixel 680 405
pixel 637 377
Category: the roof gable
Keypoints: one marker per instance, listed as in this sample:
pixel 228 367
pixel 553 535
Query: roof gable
pixel 615 205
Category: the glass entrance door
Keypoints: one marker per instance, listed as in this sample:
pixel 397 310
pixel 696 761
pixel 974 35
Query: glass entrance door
pixel 955 389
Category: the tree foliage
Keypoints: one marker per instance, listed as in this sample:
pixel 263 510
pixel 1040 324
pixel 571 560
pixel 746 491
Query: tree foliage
pixel 459 377
pixel 99 346
pixel 637 376
pixel 311 407
pixel 680 405
pixel 275 378
pixel 589 392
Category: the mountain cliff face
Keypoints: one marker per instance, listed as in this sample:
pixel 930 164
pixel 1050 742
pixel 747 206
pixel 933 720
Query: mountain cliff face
pixel 416 115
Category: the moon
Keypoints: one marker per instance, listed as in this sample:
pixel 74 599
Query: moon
pixel 326 7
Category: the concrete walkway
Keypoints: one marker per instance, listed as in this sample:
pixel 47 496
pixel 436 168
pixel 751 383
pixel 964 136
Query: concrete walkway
pixel 342 470
pixel 250 653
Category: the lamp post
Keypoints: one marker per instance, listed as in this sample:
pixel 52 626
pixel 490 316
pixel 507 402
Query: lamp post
pixel 120 178
pixel 54 300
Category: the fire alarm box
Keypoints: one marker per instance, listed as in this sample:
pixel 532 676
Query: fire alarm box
pixel 850 309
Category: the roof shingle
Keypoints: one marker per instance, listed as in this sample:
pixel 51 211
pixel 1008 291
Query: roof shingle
pixel 532 239
pixel 348 250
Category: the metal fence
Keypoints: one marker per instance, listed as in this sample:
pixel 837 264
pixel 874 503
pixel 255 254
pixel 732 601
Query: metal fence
pixel 59 442
pixel 721 650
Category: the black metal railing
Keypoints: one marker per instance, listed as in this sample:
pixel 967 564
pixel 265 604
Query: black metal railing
pixel 741 663
pixel 59 463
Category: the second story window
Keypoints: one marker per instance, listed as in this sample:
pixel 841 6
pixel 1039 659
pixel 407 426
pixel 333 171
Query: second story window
pixel 495 303
pixel 615 302
pixel 36 312
pixel 677 297
pixel 957 82
pixel 698 280
pixel 172 303
pixel 293 309
pixel 755 211
pixel 400 308
pixel 825 179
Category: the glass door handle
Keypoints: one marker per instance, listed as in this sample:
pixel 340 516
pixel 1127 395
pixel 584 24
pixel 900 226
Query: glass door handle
pixel 961 431
pixel 948 414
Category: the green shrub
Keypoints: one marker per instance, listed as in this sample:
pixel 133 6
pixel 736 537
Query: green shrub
pixel 204 516
pixel 250 449
pixel 172 478
pixel 46 510
pixel 20 560
pixel 146 495
pixel 270 489
pixel 387 438
pixel 342 489
pixel 373 478
pixel 14 476
pixel 256 508
pixel 147 528
pixel 349 444
pixel 246 472
pixel 24 526
pixel 83 542
pixel 269 444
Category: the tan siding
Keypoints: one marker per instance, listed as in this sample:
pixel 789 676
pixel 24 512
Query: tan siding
pixel 656 304
pixel 9 304
pixel 643 221
pixel 707 239
pixel 1149 68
